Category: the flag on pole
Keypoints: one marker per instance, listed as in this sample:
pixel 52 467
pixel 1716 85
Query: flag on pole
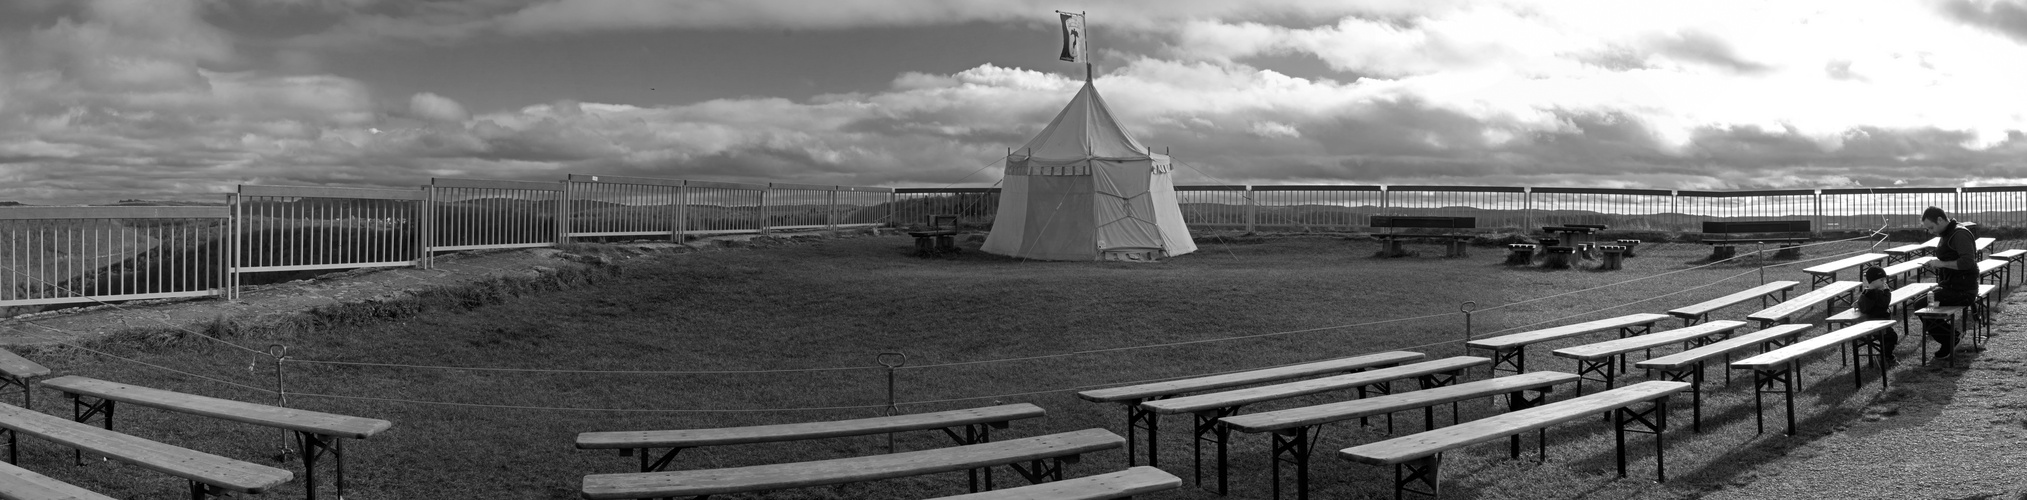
pixel 1073 37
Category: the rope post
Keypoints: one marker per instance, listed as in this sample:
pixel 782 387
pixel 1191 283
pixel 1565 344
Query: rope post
pixel 281 394
pixel 1466 308
pixel 1763 263
pixel 891 360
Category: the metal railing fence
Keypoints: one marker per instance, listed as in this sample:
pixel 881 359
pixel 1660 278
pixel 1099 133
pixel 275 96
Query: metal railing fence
pixel 63 255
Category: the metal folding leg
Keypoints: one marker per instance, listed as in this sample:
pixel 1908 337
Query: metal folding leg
pixel 1634 331
pixel 1433 381
pixel 1763 383
pixel 82 411
pixel 314 446
pixel 976 434
pixel 1207 423
pixel 1655 425
pixel 1515 360
pixel 1139 418
pixel 1041 471
pixel 1295 444
pixel 1518 400
pixel 1423 470
pixel 1694 376
pixel 1382 388
pixel 1604 369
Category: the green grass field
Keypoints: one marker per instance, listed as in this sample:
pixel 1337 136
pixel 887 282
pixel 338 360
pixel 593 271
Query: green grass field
pixel 841 302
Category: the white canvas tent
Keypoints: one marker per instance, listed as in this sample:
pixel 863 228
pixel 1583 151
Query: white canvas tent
pixel 1085 190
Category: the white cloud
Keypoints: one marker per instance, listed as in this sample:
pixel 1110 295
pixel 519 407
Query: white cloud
pixel 436 107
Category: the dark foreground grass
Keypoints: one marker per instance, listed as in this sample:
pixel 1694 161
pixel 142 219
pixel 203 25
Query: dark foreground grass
pixel 839 303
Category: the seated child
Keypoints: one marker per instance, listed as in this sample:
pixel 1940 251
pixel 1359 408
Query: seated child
pixel 1873 298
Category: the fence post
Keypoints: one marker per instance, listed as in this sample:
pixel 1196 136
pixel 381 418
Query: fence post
pixel 831 220
pixel 898 360
pixel 563 214
pixel 428 237
pixel 764 191
pixel 1526 209
pixel 229 282
pixel 1252 207
pixel 1819 214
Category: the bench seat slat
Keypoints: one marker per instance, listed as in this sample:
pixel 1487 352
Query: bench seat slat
pixel 1803 302
pixel 1544 335
pixel 1415 446
pixel 314 422
pixel 1268 421
pixel 1699 309
pixel 685 438
pixel 2008 254
pixel 1199 384
pixel 1229 399
pixel 19 483
pixel 1616 347
pixel 1134 481
pixel 1845 263
pixel 1727 346
pixel 20 367
pixel 190 464
pixel 1900 296
pixel 1812 344
pixel 1911 265
pixel 846 470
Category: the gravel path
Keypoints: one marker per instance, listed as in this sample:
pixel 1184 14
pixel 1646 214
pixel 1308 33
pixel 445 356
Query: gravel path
pixel 1950 433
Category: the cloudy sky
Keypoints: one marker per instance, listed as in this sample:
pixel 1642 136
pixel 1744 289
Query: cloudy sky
pixel 183 99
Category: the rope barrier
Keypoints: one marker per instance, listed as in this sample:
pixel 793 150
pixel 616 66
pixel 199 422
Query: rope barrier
pixel 603 372
pixel 123 309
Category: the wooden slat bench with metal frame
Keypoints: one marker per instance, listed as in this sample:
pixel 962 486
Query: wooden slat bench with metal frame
pixel 19 483
pixel 1895 272
pixel 1990 269
pixel 1295 430
pixel 1511 350
pixel 317 433
pixel 1455 243
pixel 1734 233
pixel 1137 418
pixel 1418 458
pixel 1904 252
pixel 1108 486
pixel 1044 456
pixel 1208 408
pixel 1687 366
pixel 207 474
pixel 1960 317
pixel 977 424
pixel 1900 300
pixel 1784 365
pixel 2016 255
pixel 1979 245
pixel 1788 309
pixel 19 371
pixel 1826 273
pixel 1701 311
pixel 1601 358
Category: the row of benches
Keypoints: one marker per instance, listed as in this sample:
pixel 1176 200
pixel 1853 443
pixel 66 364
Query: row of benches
pixel 317 434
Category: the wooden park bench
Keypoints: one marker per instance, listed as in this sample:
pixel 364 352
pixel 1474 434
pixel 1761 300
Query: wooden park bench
pixel 1209 408
pixel 19 483
pixel 1788 309
pixel 1456 243
pixel 1960 317
pixel 1979 245
pixel 1572 236
pixel 207 474
pixel 19 371
pixel 1687 366
pixel 938 237
pixel 1784 365
pixel 1418 458
pixel 1904 252
pixel 1725 236
pixel 1895 272
pixel 1824 274
pixel 1995 270
pixel 1511 350
pixel 977 424
pixel 1900 299
pixel 1112 485
pixel 1137 418
pixel 317 433
pixel 1600 358
pixel 1044 456
pixel 1292 428
pixel 1701 311
pixel 2016 255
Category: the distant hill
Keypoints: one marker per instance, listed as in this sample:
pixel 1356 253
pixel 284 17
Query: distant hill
pixel 162 203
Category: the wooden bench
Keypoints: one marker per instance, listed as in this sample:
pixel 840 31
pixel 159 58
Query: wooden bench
pixel 1979 245
pixel 24 484
pixel 1600 358
pixel 1741 232
pixel 1899 299
pixel 1209 408
pixel 1614 255
pixel 1138 418
pixel 1701 310
pixel 1788 309
pixel 1824 274
pixel 1895 272
pixel 1045 456
pixel 977 424
pixel 1630 244
pixel 207 474
pixel 1511 350
pixel 1574 237
pixel 1520 254
pixel 1557 257
pixel 1418 457
pixel 19 371
pixel 317 433
pixel 1995 269
pixel 1112 485
pixel 1959 317
pixel 939 236
pixel 1782 366
pixel 1291 428
pixel 1904 252
pixel 1456 242
pixel 2016 255
pixel 1687 366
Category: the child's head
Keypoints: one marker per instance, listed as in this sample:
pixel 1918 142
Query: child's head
pixel 1875 277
